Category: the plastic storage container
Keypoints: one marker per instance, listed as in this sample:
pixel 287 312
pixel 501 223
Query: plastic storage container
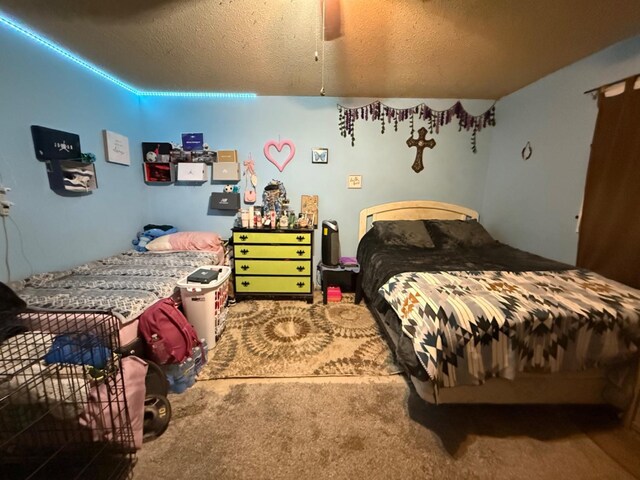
pixel 205 304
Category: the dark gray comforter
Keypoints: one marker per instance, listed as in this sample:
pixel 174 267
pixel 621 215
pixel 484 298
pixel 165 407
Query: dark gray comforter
pixel 380 262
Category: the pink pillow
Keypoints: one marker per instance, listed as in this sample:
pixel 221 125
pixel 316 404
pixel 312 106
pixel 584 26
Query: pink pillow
pixel 194 241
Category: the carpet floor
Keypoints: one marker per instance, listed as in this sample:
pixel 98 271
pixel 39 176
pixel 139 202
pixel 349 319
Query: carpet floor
pixel 264 338
pixel 363 428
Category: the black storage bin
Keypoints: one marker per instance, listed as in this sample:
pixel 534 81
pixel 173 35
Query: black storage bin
pixel 224 201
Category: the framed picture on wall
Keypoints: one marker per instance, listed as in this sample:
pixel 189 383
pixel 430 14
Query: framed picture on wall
pixel 320 155
pixel 354 181
pixel 116 148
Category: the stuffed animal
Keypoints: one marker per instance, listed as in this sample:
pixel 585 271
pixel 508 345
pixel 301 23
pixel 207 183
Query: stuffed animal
pixel 274 197
pixel 228 188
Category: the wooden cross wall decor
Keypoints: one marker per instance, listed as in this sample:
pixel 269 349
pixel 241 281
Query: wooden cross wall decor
pixel 420 143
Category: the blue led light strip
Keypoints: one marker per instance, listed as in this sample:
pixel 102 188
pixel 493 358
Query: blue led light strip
pixel 198 94
pixel 83 63
pixel 42 41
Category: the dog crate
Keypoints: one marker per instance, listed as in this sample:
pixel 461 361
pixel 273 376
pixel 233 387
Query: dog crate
pixel 63 408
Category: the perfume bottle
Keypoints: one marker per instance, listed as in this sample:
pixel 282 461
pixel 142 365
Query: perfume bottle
pixel 272 219
pixel 284 220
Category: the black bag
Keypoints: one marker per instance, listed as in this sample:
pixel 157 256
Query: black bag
pixel 10 307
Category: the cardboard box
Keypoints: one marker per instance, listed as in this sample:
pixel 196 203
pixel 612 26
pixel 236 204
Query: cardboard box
pixel 192 172
pixel 226 171
pixel 224 201
pixel 228 156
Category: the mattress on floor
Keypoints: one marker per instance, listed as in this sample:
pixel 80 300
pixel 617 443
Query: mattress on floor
pixel 125 284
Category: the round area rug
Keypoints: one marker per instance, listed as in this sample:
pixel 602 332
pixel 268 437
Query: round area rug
pixel 287 338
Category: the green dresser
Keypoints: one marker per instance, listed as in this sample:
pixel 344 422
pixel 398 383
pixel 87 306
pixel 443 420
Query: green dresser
pixel 273 263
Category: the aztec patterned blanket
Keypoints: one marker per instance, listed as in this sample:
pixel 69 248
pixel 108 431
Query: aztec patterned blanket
pixel 468 326
pixel 126 284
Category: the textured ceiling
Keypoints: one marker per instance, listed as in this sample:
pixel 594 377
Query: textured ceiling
pixel 388 48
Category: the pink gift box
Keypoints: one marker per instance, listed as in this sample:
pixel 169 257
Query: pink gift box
pixel 334 294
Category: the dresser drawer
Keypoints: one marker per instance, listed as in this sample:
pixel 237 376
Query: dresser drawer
pixel 271 251
pixel 301 238
pixel 245 284
pixel 273 267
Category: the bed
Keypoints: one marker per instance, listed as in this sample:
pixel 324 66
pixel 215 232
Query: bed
pixel 477 321
pixel 124 284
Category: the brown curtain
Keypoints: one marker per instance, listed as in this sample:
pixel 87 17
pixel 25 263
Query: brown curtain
pixel 609 241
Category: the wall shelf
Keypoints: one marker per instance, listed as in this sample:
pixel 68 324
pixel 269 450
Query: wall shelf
pixel 71 176
pixel 159 172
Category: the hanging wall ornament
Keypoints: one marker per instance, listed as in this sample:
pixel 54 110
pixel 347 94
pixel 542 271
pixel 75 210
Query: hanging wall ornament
pixel 250 178
pixel 420 143
pixel 435 119
pixel 279 145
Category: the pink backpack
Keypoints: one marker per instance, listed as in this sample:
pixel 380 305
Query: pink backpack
pixel 168 335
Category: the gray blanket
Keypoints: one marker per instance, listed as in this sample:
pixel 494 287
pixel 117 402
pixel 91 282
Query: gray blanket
pixel 125 284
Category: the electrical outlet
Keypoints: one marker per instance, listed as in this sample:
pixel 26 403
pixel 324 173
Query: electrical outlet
pixel 5 205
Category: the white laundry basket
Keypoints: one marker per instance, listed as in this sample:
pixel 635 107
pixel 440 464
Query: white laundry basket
pixel 205 304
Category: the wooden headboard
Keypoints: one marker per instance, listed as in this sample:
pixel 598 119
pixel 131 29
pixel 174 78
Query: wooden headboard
pixel 413 210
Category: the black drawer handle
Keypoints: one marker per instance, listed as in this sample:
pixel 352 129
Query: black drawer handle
pixel 300 252
pixel 300 284
pixel 245 267
pixel 300 268
pixel 246 284
pixel 243 237
pixel 244 251
pixel 300 238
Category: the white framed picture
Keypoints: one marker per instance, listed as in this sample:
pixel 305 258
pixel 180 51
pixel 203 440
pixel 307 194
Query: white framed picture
pixel 320 155
pixel 116 148
pixel 354 181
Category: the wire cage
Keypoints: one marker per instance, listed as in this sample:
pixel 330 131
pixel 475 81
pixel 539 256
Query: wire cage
pixel 63 409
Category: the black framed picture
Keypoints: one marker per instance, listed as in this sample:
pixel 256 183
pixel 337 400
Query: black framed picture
pixel 320 155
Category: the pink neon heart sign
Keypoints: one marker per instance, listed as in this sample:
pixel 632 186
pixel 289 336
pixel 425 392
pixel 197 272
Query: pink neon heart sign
pixel 279 146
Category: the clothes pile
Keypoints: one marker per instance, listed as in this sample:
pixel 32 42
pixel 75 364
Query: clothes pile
pixel 151 232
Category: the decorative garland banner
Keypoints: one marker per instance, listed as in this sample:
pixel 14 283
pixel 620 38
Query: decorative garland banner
pixel 434 118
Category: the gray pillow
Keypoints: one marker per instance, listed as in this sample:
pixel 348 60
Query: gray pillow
pixel 403 233
pixel 458 233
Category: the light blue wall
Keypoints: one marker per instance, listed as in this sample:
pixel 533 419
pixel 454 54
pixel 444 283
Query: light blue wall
pixel 452 172
pixel 39 87
pixel 533 204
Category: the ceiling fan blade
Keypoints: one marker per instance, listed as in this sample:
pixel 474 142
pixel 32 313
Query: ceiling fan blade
pixel 332 19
